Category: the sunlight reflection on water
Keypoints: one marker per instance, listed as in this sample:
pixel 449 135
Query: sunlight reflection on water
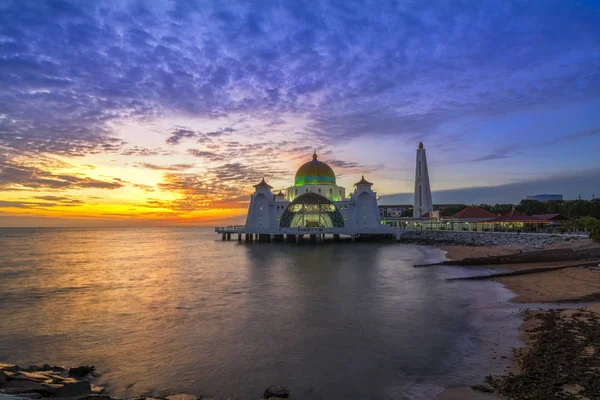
pixel 178 310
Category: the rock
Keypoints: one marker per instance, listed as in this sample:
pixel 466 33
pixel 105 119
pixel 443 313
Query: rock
pixel 43 368
pixel 22 375
pixel 28 395
pixel 182 396
pixel 276 391
pixel 572 389
pixel 485 388
pixel 9 367
pixel 13 396
pixel 81 371
pixel 17 387
pixel 79 388
pixel 86 397
pixel 3 378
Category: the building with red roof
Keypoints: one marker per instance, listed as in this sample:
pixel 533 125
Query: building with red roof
pixel 474 214
pixel 552 217
pixel 514 216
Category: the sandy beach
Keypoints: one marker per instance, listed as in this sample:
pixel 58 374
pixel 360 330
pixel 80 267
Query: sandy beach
pixel 574 288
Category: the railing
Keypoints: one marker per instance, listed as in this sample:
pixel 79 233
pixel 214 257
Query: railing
pixel 230 228
pixel 313 229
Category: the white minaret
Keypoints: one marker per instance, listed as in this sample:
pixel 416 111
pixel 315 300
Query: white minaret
pixel 423 202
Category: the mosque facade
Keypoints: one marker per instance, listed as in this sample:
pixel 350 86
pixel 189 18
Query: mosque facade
pixel 314 203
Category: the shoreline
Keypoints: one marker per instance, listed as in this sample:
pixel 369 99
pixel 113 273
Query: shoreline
pixel 563 290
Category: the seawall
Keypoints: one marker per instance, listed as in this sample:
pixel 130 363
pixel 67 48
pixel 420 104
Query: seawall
pixel 529 240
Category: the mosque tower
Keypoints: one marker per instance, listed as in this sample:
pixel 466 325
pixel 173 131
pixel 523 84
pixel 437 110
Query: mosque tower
pixel 423 202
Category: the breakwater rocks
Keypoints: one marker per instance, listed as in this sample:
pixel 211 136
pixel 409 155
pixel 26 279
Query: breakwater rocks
pixel 529 240
pixel 62 383
pixel 562 361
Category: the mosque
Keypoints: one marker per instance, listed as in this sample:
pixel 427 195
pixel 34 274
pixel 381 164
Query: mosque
pixel 316 206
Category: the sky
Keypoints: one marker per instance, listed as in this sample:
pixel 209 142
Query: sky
pixel 134 113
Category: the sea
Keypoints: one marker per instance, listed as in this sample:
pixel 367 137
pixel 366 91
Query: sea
pixel 178 310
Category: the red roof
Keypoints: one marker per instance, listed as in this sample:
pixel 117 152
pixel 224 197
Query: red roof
pixel 263 183
pixel 474 213
pixel 551 217
pixel 363 182
pixel 515 216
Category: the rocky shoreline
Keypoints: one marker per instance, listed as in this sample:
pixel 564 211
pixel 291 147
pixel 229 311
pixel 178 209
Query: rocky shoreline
pixel 526 240
pixel 561 356
pixel 63 383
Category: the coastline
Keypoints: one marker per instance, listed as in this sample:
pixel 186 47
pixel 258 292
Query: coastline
pixel 572 296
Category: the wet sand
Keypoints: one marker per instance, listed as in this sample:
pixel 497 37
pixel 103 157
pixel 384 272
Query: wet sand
pixel 568 287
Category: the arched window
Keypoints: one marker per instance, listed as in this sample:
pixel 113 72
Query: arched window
pixel 311 210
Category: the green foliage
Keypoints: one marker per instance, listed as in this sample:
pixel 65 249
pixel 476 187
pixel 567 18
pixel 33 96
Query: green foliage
pixel 569 208
pixel 587 223
pixel 595 234
pixel 497 209
pixel 451 210
pixel 590 224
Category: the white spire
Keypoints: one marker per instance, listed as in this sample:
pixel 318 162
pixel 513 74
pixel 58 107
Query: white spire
pixel 423 202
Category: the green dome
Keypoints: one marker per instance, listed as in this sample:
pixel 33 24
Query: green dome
pixel 315 172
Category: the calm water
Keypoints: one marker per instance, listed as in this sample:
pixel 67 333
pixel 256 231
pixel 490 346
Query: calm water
pixel 178 310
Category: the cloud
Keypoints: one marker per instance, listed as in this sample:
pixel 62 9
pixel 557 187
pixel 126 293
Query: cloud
pixel 179 134
pixel 571 185
pixel 19 177
pixel 172 167
pixel 209 155
pixel 354 166
pixel 67 73
pixel 143 152
pixel 62 200
pixel 508 151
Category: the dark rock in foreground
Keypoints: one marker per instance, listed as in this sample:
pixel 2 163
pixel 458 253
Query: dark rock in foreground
pixel 74 389
pixel 82 371
pixel 59 383
pixel 276 392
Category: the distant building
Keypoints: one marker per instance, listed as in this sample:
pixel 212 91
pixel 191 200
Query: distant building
pixel 393 210
pixel 545 197
pixel 474 214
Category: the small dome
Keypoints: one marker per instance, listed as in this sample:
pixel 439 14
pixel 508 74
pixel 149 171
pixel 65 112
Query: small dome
pixel 315 172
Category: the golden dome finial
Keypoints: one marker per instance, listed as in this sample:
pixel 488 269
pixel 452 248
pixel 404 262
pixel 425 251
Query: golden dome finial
pixel 315 154
pixel 420 145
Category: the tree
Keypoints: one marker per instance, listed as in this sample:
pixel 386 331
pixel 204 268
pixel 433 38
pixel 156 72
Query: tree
pixel 451 210
pixel 532 207
pixel 595 233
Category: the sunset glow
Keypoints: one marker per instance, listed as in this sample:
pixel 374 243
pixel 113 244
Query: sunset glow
pixel 166 113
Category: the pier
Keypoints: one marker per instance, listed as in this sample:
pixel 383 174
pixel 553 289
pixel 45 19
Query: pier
pixel 305 234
